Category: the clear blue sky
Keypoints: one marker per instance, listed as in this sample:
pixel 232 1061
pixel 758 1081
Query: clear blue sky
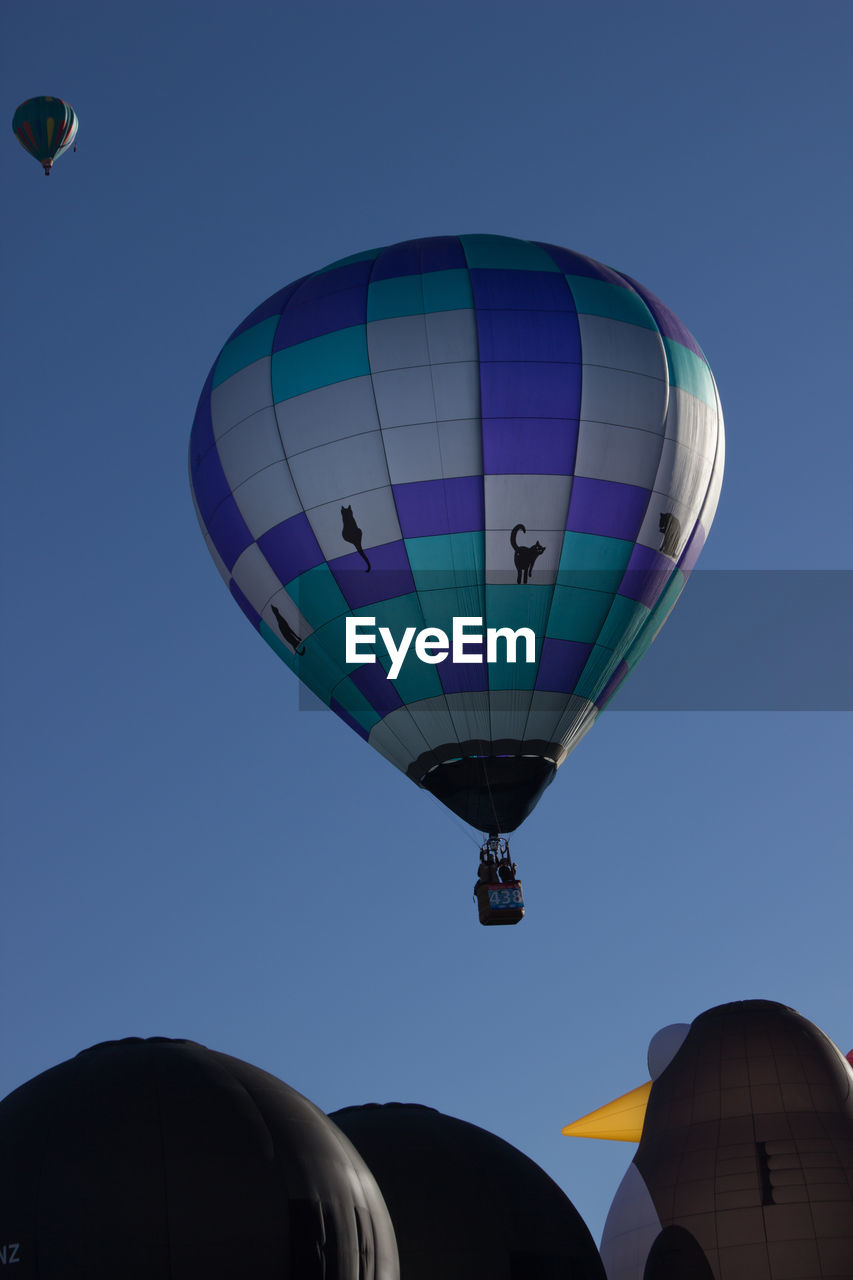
pixel 189 854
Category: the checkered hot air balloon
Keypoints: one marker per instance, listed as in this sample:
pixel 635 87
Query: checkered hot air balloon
pixel 45 127
pixel 470 427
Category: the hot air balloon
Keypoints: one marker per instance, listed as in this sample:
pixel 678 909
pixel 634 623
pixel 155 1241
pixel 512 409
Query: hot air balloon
pixel 45 127
pixel 744 1166
pixel 161 1158
pixel 457 484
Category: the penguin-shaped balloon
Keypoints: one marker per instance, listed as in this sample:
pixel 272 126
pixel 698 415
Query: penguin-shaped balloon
pixel 744 1169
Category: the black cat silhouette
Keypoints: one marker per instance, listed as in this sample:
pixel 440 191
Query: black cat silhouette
pixel 351 533
pixel 670 527
pixel 525 557
pixel 289 634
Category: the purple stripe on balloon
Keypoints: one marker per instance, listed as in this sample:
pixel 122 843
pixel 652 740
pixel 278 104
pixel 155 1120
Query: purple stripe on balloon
pixel 273 306
pixel 524 389
pixel 668 323
pixel 402 259
pixel 520 290
pixel 305 320
pixel 244 603
pixel 427 507
pixel 560 664
pixel 612 684
pixel 606 507
pixel 348 719
pixel 577 264
pixel 324 283
pixel 693 547
pixel 529 446
pixel 291 548
pixel 228 531
pixel 372 681
pixel 463 677
pixel 646 575
pixel 442 253
pixel 390 575
pixel 529 335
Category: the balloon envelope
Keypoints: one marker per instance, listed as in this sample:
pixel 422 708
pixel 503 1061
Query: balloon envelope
pixel 464 1203
pixel 161 1158
pixel 470 427
pixel 45 127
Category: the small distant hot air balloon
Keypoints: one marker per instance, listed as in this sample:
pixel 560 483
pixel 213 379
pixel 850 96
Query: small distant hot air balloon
pixel 45 127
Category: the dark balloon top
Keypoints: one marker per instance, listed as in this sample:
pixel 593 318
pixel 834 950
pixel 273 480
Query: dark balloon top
pixel 166 1160
pixel 464 1203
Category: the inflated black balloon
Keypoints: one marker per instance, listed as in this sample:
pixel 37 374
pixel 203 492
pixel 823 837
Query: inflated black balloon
pixel 464 1203
pixel 166 1160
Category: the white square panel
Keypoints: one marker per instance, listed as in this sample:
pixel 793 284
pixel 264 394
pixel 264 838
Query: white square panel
pixel 250 446
pixel 616 345
pixel 398 343
pixel 457 390
pixel 538 502
pixel 413 453
pixel 267 498
pixel 255 578
pixel 328 413
pixel 622 454
pixel 460 442
pixel 404 396
pixel 334 471
pixel 242 394
pixel 452 336
pixel 625 399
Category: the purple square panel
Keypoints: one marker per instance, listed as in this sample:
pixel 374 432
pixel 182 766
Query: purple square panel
pixel 305 320
pixel 272 307
pixel 646 576
pixel 463 677
pixel 248 608
pixel 372 681
pixel 291 548
pixel 390 575
pixel 427 507
pixel 529 446
pixel 560 664
pixel 529 335
pixel 577 264
pixel 606 507
pixel 397 260
pixel 668 323
pixel 324 283
pixel 523 290
pixel 228 532
pixel 442 253
pixel 526 389
pixel 692 549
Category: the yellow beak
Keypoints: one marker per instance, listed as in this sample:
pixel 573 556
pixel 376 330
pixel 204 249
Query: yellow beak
pixel 621 1120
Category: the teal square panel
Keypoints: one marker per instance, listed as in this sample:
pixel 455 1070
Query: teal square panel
pixel 447 290
pixel 592 562
pixel 688 371
pixel 278 646
pixel 600 298
pixel 399 296
pixel 416 679
pixel 317 596
pixel 447 561
pixel 578 615
pixel 354 701
pixel 656 618
pixel 334 357
pixel 508 254
pixel 623 624
pixel 519 606
pixel 245 349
